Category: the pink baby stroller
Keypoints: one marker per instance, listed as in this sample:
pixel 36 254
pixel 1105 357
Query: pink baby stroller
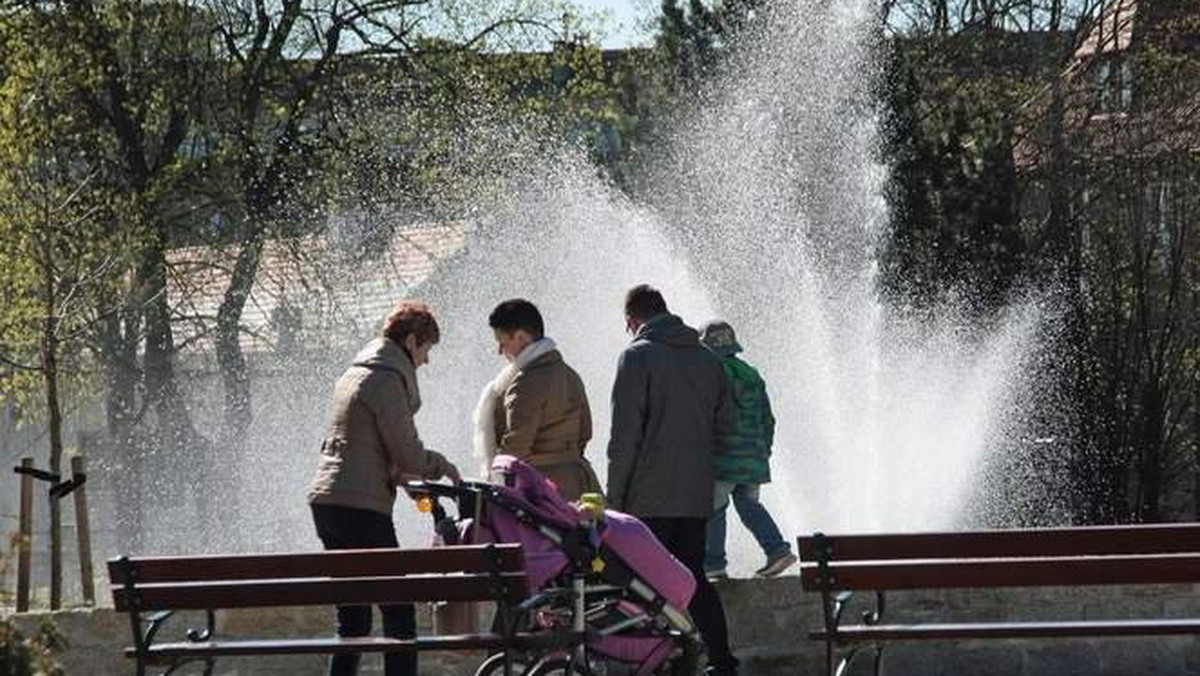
pixel 607 582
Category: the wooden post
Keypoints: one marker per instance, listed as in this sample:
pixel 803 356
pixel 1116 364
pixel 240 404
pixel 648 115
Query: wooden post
pixel 82 531
pixel 55 551
pixel 25 545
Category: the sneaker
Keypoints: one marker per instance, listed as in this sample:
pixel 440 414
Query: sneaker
pixel 716 575
pixel 777 564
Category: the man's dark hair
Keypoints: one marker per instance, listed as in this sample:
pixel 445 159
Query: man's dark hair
pixel 515 314
pixel 643 302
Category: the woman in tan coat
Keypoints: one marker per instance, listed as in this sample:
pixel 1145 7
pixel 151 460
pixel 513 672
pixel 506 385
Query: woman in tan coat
pixel 371 444
pixel 537 408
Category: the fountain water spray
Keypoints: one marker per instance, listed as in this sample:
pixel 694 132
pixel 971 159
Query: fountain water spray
pixel 776 186
pixel 766 208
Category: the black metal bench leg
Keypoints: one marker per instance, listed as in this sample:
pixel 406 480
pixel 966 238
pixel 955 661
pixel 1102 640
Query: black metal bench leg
pixel 879 659
pixel 179 663
pixel 844 663
pixel 206 634
pixel 503 612
pixel 128 575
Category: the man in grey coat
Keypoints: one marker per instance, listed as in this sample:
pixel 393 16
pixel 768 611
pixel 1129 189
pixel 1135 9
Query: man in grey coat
pixel 671 407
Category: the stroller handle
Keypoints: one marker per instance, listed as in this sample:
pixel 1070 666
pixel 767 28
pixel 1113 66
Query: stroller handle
pixel 442 490
pixel 442 524
pixel 430 488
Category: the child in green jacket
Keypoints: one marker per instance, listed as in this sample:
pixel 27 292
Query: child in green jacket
pixel 743 464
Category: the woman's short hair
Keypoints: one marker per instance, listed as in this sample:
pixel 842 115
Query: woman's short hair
pixel 412 318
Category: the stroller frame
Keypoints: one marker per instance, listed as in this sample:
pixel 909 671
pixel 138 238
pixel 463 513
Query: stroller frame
pixel 595 585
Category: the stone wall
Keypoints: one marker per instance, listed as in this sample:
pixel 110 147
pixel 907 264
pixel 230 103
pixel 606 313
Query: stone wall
pixel 769 621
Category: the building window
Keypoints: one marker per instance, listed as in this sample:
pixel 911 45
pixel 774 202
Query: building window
pixel 1114 84
pixel 1162 210
pixel 1084 216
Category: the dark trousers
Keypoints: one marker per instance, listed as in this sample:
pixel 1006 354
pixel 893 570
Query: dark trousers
pixel 350 528
pixel 684 537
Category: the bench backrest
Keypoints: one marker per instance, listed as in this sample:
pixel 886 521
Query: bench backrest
pixel 1096 555
pixel 368 576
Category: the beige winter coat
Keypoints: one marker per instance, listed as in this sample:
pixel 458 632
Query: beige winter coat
pixel 372 441
pixel 544 419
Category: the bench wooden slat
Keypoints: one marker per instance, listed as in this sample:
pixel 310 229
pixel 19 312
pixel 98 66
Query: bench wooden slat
pixel 343 563
pixel 1096 628
pixel 1075 541
pixel 305 592
pixel 1049 571
pixel 315 646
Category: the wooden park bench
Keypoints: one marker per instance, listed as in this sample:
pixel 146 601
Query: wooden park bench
pixel 151 589
pixel 839 565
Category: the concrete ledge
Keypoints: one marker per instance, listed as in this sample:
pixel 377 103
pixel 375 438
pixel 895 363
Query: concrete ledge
pixel 769 622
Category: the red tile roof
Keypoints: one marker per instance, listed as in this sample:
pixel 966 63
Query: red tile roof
pixel 1113 32
pixel 305 286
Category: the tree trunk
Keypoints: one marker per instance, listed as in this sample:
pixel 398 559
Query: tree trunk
pixel 118 357
pixel 1061 244
pixel 120 335
pixel 232 361
pixel 1151 442
pixel 1196 453
pixel 162 390
pixel 54 413
pixel 56 453
pixel 235 378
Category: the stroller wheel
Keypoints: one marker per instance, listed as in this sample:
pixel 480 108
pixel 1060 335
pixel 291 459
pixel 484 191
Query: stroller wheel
pixel 558 666
pixel 687 663
pixel 494 666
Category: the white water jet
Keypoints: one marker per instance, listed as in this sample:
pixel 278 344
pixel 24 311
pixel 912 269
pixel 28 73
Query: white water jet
pixel 767 209
pixel 885 421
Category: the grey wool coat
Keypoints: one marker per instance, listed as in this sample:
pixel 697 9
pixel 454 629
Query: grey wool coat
pixel 671 406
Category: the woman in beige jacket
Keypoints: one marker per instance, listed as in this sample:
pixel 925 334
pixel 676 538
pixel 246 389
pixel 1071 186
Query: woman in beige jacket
pixel 371 443
pixel 537 408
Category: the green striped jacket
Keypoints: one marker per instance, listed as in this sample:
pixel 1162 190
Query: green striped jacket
pixel 745 454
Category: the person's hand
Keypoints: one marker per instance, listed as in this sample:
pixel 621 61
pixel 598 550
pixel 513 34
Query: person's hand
pixel 400 480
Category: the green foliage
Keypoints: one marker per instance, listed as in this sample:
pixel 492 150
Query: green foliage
pixel 67 219
pixel 1006 174
pixel 953 192
pixel 422 134
pixel 32 656
pixel 693 37
pixel 1140 279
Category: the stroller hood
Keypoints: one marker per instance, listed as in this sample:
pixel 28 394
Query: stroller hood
pixel 622 534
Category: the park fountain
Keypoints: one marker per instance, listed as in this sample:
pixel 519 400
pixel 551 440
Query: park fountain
pixel 766 208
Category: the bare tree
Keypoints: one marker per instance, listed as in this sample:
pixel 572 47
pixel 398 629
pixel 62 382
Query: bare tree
pixel 283 67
